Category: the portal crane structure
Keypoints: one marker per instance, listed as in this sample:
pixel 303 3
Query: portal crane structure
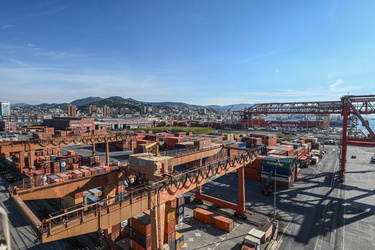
pixel 28 147
pixel 349 105
pixel 164 187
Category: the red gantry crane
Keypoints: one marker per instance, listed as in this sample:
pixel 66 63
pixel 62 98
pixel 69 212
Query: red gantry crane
pixel 350 105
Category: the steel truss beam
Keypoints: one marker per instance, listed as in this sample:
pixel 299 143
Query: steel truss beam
pixel 357 105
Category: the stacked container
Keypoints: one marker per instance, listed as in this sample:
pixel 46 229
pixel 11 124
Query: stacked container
pixel 203 216
pixel 179 240
pixel 120 191
pixel 71 201
pixel 253 169
pixel 140 232
pixel 285 170
pixel 180 200
pixel 170 223
pixel 217 221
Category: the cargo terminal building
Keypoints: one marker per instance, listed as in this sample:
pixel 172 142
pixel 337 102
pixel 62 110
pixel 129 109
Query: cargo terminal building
pixel 73 123
pixel 127 123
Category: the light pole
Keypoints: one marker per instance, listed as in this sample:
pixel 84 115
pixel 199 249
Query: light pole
pixel 274 191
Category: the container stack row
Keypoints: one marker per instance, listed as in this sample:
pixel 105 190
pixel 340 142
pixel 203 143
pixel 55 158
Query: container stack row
pixel 218 221
pixel 82 198
pixel 140 232
pixel 284 169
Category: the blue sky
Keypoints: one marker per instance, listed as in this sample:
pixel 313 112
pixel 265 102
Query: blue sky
pixel 198 52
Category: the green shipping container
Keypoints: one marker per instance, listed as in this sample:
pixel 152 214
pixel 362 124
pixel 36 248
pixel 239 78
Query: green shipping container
pixel 285 162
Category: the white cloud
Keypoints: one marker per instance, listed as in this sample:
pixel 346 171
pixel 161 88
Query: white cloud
pixel 6 26
pixel 336 84
pixel 42 84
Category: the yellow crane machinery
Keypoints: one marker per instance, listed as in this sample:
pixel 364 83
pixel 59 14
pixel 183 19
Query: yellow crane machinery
pixel 156 145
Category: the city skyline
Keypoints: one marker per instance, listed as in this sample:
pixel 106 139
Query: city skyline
pixel 202 53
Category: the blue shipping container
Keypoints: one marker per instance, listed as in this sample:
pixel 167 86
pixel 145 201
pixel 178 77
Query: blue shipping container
pixel 282 171
pixel 180 218
pixel 100 169
pixel 181 209
pixel 187 198
pixel 180 240
pixel 172 246
pixel 85 159
pixel 62 169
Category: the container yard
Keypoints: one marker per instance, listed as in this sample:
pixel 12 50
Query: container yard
pixel 140 190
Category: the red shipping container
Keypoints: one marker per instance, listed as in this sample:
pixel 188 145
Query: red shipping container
pixel 55 169
pixel 73 166
pixel 124 232
pixel 203 216
pixel 170 227
pixel 85 172
pixel 180 200
pixel 135 246
pixel 265 227
pixel 63 176
pixel 170 238
pixel 78 195
pixel 141 223
pixel 47 169
pixel 142 240
pixel 78 173
pixel 223 223
pixel 172 203
pixel 93 171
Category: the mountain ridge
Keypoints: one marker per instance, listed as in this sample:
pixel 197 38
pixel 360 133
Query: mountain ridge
pixel 132 103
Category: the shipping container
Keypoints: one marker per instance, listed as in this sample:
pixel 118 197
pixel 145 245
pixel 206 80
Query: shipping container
pixel 280 171
pixel 180 200
pixel 172 246
pixel 180 219
pixel 170 215
pixel 142 240
pixel 186 198
pixel 285 162
pixel 179 240
pixel 99 169
pixel 124 232
pixel 72 200
pixel 141 223
pixel 53 179
pixel 172 203
pixel 96 192
pixel 170 237
pixel 180 210
pixel 265 227
pixel 223 223
pixel 203 216
pixel 170 227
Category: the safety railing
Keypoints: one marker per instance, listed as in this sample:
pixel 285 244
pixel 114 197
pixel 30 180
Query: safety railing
pixel 182 152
